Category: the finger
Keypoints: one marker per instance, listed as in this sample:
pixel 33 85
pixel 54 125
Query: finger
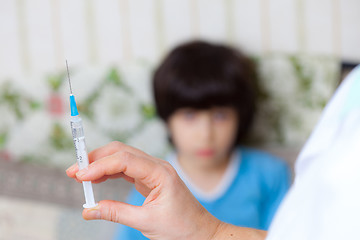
pixel 118 175
pixel 110 149
pixel 72 170
pixel 100 180
pixel 122 162
pixel 115 211
pixel 101 152
pixel 127 178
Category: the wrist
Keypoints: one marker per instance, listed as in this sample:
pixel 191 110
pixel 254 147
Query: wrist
pixel 219 231
pixel 228 231
pixel 209 226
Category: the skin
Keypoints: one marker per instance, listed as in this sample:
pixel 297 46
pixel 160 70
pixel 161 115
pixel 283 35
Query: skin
pixel 169 211
pixel 204 140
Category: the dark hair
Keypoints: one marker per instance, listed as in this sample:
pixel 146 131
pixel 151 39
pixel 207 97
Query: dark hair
pixel 202 75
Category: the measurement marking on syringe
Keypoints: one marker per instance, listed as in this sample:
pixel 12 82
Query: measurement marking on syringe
pixel 78 138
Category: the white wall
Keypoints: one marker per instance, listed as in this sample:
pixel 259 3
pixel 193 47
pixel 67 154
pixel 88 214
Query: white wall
pixel 37 35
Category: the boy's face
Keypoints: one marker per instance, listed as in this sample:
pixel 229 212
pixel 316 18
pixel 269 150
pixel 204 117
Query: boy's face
pixel 204 137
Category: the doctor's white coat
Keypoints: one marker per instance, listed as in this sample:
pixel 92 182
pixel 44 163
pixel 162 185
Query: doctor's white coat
pixel 324 201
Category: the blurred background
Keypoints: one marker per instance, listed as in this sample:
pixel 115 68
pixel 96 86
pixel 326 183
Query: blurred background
pixel 302 49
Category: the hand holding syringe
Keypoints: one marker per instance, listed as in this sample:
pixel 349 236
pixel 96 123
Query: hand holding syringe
pixel 80 147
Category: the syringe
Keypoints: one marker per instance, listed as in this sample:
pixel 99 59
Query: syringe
pixel 80 146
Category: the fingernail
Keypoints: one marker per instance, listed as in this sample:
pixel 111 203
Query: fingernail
pixel 80 173
pixel 71 168
pixel 94 213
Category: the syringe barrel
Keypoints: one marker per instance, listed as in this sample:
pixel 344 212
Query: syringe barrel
pixel 79 142
pixel 76 127
pixel 82 157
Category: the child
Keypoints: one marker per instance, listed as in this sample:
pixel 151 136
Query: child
pixel 206 95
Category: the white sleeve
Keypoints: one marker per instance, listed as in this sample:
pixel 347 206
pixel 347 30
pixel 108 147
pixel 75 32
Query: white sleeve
pixel 324 201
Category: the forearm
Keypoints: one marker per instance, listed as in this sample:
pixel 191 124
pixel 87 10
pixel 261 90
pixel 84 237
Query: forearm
pixel 227 231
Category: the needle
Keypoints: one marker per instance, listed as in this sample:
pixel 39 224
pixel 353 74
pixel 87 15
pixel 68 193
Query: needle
pixel 67 67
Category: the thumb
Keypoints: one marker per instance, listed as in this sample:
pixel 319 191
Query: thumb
pixel 115 211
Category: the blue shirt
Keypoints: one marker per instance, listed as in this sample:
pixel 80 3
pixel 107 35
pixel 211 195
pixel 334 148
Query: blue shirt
pixel 250 199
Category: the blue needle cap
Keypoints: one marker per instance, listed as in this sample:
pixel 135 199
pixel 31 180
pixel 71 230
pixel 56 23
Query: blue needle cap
pixel 74 111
